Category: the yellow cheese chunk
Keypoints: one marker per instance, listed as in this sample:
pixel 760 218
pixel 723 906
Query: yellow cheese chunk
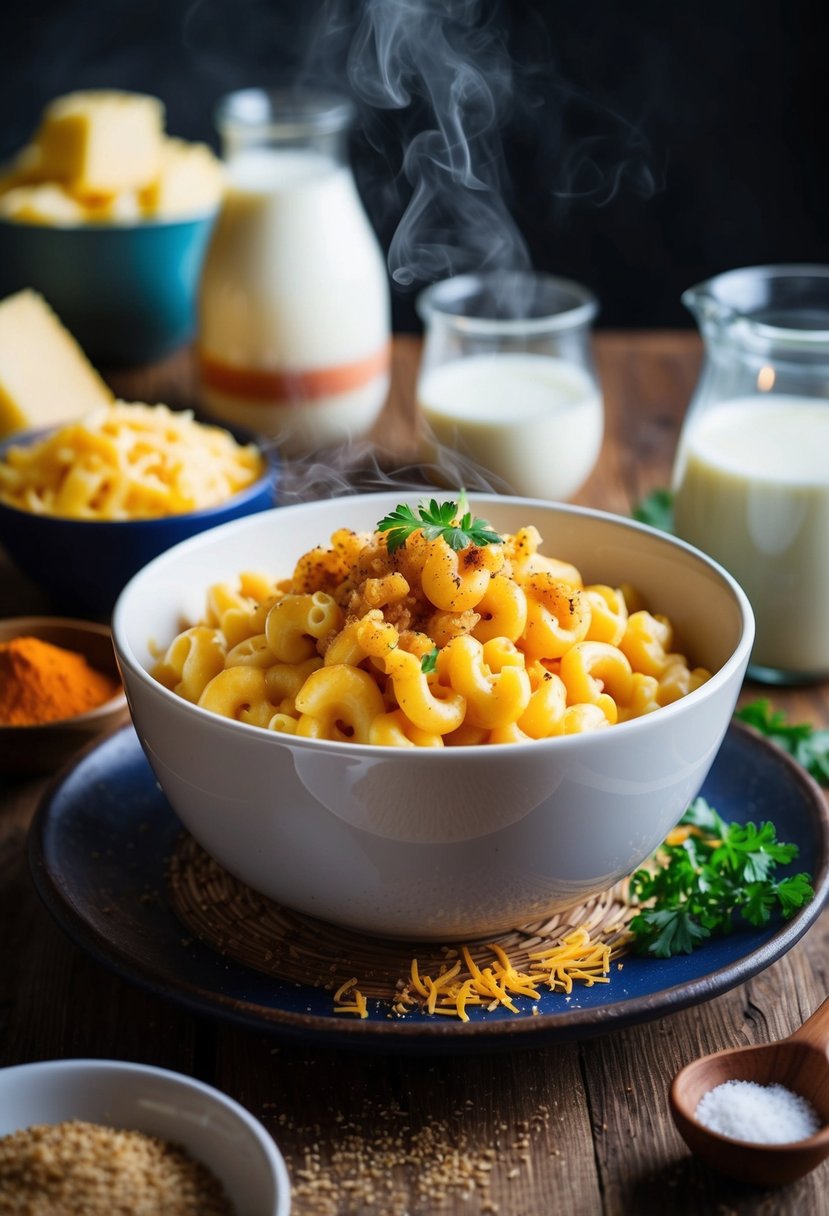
pixel 121 208
pixel 24 169
pixel 101 142
pixel 53 205
pixel 42 204
pixel 45 378
pixel 103 158
pixel 190 182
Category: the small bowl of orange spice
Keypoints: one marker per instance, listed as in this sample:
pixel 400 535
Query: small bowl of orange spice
pixel 59 689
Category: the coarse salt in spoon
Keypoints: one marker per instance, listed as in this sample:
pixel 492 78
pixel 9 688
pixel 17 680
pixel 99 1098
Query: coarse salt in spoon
pixel 800 1064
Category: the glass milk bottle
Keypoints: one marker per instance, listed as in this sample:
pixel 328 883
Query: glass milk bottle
pixel 294 310
pixel 507 380
pixel 751 476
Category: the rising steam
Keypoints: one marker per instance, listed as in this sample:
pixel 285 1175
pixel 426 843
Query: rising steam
pixel 447 66
pixel 446 89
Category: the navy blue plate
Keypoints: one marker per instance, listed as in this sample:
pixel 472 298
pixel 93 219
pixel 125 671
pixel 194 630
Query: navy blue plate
pixel 103 832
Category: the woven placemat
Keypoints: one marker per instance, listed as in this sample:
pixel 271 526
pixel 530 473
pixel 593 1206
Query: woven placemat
pixel 253 930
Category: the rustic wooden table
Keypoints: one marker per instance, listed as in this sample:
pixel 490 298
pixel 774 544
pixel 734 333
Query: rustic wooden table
pixel 579 1128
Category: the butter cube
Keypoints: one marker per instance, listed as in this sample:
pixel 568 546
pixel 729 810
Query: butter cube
pixel 45 378
pixel 190 182
pixel 101 142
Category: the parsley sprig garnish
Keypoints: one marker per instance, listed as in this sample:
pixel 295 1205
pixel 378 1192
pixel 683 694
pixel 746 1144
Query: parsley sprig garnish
pixel 437 519
pixel 810 747
pixel 707 877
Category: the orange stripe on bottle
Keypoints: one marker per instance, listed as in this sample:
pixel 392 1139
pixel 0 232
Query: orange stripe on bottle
pixel 260 384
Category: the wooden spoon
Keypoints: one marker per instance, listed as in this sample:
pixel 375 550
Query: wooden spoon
pixel 800 1063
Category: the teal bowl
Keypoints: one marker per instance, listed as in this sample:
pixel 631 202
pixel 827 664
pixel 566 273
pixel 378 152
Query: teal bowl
pixel 82 565
pixel 127 292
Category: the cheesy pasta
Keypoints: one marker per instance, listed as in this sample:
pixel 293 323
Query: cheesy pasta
pixel 128 461
pixel 427 644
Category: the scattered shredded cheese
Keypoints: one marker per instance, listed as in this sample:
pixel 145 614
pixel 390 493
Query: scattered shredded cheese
pixel 576 958
pixel 356 1005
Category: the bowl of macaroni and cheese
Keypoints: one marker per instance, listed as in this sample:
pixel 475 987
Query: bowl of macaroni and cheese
pixel 427 719
pixel 85 505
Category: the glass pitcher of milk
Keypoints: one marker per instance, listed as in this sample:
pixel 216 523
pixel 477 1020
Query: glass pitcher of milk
pixel 294 308
pixel 751 475
pixel 507 380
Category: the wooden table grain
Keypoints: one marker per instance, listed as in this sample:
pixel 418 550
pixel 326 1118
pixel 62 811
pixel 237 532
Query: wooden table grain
pixel 556 1130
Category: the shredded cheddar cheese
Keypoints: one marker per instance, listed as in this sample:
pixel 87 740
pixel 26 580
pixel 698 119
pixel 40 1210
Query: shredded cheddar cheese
pixel 128 461
pixel 577 958
pixel 356 1005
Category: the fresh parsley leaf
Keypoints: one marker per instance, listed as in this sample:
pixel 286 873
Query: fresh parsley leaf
pixel 793 892
pixel 400 524
pixel 810 747
pixel 674 931
pixel 707 877
pixel 752 852
pixel 656 509
pixel 436 520
pixel 429 661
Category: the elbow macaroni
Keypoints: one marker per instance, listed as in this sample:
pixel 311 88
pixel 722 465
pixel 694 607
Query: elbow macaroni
pixel 427 647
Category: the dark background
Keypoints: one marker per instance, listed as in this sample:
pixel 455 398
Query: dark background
pixel 636 146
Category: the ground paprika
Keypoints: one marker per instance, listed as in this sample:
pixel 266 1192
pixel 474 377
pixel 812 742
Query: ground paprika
pixel 40 682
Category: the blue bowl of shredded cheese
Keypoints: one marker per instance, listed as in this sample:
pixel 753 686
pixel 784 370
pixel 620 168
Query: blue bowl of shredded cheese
pixel 84 506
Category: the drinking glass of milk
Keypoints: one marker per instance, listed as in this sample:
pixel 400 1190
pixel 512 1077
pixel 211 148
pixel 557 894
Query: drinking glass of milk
pixel 294 308
pixel 507 379
pixel 751 476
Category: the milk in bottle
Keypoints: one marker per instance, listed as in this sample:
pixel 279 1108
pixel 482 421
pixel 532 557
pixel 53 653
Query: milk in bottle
pixel 294 312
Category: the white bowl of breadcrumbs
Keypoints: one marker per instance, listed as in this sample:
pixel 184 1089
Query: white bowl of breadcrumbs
pixel 109 1138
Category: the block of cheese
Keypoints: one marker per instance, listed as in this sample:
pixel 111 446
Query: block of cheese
pixel 190 182
pixel 45 378
pixel 100 141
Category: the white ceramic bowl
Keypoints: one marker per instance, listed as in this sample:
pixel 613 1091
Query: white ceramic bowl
pixel 212 1127
pixel 434 843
